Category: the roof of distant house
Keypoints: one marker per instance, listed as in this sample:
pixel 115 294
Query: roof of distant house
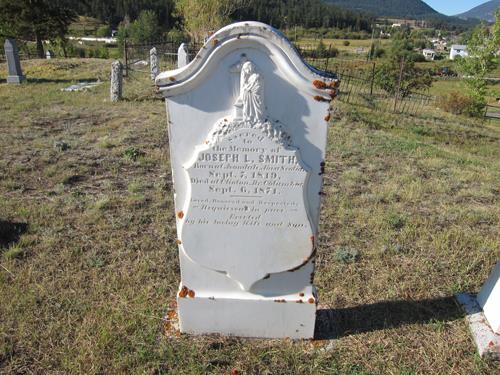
pixel 459 46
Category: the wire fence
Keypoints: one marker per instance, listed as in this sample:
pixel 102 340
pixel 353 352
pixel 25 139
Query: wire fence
pixel 137 55
pixel 359 86
pixel 358 83
pixel 22 56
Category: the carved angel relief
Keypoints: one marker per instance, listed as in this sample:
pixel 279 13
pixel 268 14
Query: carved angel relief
pixel 249 108
pixel 246 215
pixel 250 103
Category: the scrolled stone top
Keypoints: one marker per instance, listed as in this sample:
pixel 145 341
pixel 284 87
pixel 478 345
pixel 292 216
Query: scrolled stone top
pixel 179 81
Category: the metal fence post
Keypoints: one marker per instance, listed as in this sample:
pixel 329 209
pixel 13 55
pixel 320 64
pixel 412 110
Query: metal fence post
pixel 125 58
pixel 373 79
pixel 397 93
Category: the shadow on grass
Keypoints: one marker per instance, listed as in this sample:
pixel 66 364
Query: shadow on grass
pixel 336 323
pixel 53 80
pixel 10 232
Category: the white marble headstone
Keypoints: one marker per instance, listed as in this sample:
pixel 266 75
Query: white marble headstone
pixel 489 299
pixel 182 55
pixel 247 127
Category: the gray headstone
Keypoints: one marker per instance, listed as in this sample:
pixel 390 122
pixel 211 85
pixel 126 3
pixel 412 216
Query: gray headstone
pixel 182 56
pixel 153 63
pixel 116 81
pixel 15 75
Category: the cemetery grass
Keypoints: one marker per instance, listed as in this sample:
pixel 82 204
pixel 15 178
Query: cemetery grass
pixel 88 261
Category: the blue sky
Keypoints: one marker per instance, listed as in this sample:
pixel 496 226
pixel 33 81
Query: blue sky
pixel 452 7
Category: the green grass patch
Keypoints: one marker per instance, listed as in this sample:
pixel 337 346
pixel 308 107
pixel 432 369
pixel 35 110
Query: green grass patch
pixel 410 215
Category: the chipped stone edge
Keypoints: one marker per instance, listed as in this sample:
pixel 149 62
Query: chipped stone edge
pixel 487 342
pixel 175 82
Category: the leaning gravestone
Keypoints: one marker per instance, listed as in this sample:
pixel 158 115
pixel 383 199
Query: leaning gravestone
pixel 182 55
pixel 13 63
pixel 247 126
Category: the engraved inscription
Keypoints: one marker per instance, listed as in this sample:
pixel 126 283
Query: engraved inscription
pixel 246 184
pixel 246 214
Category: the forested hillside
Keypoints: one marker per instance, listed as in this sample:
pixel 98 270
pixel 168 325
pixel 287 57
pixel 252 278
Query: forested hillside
pixel 115 11
pixel 279 13
pixel 389 8
pixel 484 11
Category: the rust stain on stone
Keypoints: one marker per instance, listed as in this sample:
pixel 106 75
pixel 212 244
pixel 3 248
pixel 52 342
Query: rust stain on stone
pixel 320 98
pixel 319 84
pixel 183 292
pixel 180 214
pixel 334 84
pixel 186 292
pixel 313 254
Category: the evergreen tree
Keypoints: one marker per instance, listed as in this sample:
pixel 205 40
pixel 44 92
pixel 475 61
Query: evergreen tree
pixel 36 19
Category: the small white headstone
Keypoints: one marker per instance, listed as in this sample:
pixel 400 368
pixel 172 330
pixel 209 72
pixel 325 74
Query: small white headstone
pixel 182 55
pixel 48 55
pixel 247 128
pixel 153 63
pixel 489 299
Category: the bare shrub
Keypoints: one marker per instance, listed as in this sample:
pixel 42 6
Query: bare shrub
pixel 455 103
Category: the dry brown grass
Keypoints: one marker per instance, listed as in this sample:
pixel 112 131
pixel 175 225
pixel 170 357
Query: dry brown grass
pixel 85 287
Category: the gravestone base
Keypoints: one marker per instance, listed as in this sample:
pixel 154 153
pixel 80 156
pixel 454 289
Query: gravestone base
pixel 15 79
pixel 487 341
pixel 263 317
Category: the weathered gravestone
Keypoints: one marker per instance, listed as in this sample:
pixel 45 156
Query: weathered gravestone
pixel 116 86
pixel 182 55
pixel 247 127
pixel 13 63
pixel 153 63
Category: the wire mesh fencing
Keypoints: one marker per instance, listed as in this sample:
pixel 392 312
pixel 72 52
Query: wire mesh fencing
pixel 136 57
pixel 359 85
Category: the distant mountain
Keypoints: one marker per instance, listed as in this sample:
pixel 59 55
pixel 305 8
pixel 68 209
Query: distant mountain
pixel 416 9
pixel 484 11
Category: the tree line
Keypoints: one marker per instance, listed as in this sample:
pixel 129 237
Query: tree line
pixel 278 13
